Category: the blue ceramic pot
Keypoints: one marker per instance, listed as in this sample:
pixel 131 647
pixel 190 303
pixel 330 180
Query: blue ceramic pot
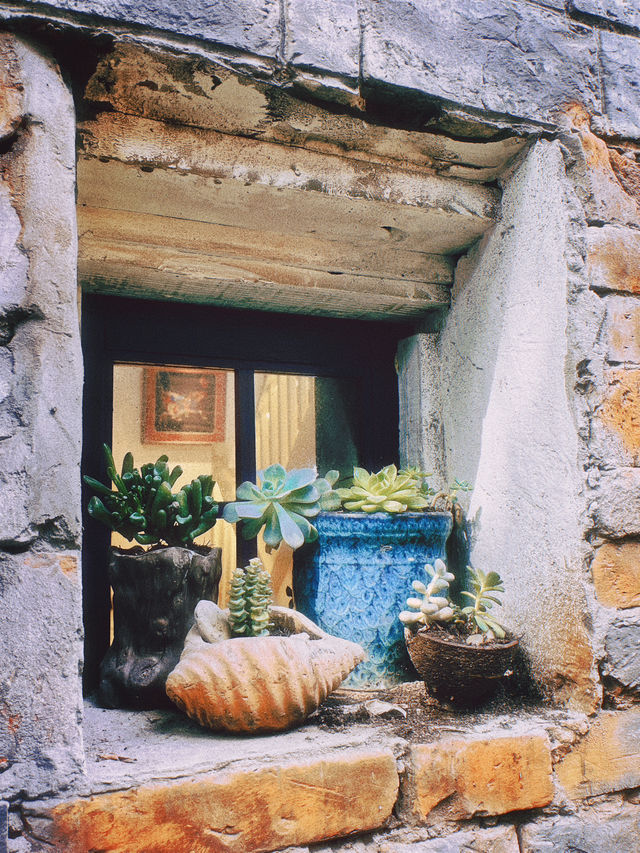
pixel 356 578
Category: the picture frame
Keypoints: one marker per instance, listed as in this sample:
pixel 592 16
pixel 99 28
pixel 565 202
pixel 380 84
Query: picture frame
pixel 183 405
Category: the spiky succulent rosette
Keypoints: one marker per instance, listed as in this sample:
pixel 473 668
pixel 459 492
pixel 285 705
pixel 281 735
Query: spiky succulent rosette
pixel 282 503
pixel 385 491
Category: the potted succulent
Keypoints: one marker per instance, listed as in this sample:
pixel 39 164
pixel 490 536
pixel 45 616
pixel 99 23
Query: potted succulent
pixel 155 587
pixel 366 541
pixel 256 667
pixel 460 652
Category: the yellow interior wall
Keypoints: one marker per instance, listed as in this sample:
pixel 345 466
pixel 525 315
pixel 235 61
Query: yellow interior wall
pixel 285 433
pixel 215 458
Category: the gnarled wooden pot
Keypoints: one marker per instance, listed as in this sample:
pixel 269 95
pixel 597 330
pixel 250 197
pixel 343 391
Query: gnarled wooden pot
pixel 258 684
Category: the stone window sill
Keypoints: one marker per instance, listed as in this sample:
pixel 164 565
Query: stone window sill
pixel 157 781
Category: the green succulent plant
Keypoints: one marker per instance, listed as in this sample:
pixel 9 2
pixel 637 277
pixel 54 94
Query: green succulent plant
pixel 143 506
pixel 431 607
pixel 483 598
pixel 282 503
pixel 249 600
pixel 450 497
pixel 386 491
pixel 475 617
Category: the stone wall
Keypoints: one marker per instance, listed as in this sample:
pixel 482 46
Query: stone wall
pixel 478 63
pixel 531 389
pixel 40 439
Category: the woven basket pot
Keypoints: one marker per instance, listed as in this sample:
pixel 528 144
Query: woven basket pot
pixel 457 672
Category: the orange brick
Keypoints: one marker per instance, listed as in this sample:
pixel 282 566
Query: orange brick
pixel 487 777
pixel 616 574
pixel 614 258
pixel 620 410
pixel 236 812
pixel 623 326
pixel 10 89
pixel 607 759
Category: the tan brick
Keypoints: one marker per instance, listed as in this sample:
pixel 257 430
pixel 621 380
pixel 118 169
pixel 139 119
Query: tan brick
pixel 612 196
pixel 607 759
pixel 614 258
pixel 620 409
pixel 489 777
pixel 236 812
pixel 623 329
pixel 616 574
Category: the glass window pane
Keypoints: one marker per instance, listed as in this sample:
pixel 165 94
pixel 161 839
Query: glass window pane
pixel 187 414
pixel 302 422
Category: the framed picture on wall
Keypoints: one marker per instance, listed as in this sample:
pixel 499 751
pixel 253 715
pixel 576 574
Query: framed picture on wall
pixel 183 405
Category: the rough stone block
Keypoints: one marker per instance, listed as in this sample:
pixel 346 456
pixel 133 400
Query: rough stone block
pixel 236 812
pixel 617 431
pixel 614 258
pixel 625 12
pixel 606 194
pixel 463 778
pixel 616 574
pixel 323 36
pixel 620 57
pixel 607 759
pixel 616 504
pixel 622 646
pixel 498 839
pixel 508 57
pixel 247 25
pixel 622 330
pixel 605 828
pixel 10 90
pixel 40 660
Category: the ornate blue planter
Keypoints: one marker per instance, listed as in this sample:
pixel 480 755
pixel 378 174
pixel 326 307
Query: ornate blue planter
pixel 356 578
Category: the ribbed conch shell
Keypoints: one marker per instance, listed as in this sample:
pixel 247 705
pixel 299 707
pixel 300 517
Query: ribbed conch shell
pixel 252 684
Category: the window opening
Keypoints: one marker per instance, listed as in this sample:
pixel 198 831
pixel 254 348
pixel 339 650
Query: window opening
pixel 298 390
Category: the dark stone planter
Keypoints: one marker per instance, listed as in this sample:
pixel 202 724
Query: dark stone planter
pixel 356 578
pixel 457 673
pixel 154 596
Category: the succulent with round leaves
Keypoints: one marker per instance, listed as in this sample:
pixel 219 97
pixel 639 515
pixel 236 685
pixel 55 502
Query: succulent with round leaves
pixel 281 502
pixel 432 606
pixel 385 491
pixel 143 507
pixel 483 597
pixel 450 497
pixel 249 600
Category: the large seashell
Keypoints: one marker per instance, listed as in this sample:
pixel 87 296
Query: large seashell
pixel 252 684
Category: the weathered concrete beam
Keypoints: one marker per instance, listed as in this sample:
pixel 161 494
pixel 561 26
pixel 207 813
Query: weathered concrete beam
pixel 206 152
pixel 167 257
pixel 179 88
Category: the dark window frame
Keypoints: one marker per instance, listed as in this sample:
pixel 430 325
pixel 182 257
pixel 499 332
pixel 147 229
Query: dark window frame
pixel 121 330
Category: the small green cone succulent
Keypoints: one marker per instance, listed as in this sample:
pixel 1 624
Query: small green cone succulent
pixel 249 600
pixel 431 607
pixel 386 491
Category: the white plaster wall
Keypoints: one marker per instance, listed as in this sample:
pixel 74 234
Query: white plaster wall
pixel 508 423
